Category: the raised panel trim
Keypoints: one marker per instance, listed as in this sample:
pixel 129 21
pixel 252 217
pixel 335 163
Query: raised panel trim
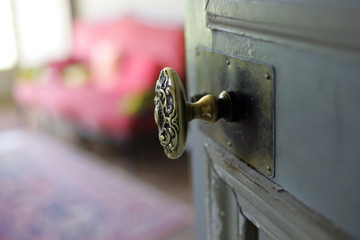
pixel 335 26
pixel 268 205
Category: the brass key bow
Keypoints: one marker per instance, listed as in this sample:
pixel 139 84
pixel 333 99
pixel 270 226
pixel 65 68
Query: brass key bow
pixel 173 113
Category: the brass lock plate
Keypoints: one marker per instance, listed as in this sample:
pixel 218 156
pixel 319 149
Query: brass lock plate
pixel 252 138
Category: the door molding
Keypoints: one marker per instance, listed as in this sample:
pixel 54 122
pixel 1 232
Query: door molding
pixel 269 206
pixel 288 22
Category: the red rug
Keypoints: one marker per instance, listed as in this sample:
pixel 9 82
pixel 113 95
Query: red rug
pixel 50 190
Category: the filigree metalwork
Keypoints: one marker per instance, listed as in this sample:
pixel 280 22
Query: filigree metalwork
pixel 166 113
pixel 172 112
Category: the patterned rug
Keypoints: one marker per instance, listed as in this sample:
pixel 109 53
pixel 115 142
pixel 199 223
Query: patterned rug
pixel 51 190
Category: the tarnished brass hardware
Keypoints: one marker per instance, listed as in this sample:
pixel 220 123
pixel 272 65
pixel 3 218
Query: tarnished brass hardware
pixel 172 112
pixel 252 138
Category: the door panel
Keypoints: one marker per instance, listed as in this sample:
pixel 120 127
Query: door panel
pixel 266 204
pixel 317 112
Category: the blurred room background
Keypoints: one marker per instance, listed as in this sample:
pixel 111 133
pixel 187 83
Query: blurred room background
pixel 79 155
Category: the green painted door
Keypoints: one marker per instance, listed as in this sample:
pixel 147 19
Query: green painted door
pixel 313 48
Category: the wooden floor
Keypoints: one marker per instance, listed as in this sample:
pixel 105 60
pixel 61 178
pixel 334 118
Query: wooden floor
pixel 145 159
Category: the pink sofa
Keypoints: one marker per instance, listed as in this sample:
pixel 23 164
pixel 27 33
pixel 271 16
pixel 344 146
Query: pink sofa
pixel 123 59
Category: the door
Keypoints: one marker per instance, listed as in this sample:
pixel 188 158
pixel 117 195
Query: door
pixel 297 176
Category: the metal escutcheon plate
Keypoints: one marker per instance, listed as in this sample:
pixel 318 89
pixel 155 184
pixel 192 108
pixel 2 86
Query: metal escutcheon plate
pixel 252 138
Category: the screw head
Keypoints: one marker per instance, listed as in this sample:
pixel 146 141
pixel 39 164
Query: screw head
pixel 227 61
pixel 267 76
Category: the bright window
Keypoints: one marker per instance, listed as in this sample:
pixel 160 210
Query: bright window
pixel 43 31
pixel 8 52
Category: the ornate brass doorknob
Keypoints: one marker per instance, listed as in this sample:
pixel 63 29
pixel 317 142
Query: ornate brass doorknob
pixel 172 112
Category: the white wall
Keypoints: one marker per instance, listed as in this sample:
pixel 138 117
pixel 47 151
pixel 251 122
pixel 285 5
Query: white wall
pixel 164 11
